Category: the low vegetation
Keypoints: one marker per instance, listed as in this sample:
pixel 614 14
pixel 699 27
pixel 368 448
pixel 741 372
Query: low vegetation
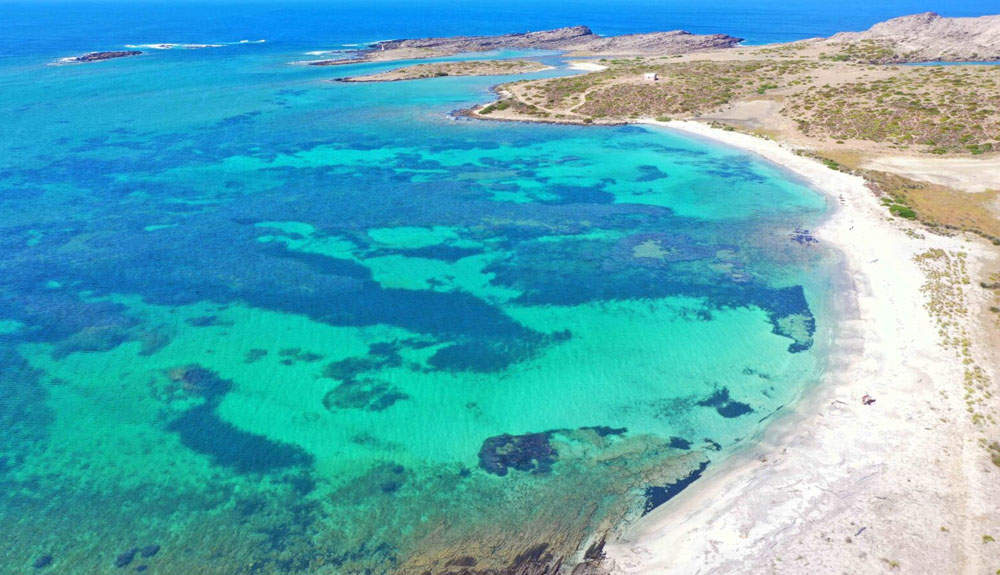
pixel 945 289
pixel 683 88
pixel 940 110
pixel 687 88
pixel 461 68
pixel 865 52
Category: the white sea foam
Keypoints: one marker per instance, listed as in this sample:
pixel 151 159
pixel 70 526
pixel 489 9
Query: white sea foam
pixel 189 46
pixel 171 46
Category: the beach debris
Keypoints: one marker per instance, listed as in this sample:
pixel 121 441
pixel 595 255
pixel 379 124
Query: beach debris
pixel 867 399
pixel 860 531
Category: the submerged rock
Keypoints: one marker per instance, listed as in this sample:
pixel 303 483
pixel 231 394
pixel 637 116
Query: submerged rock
pixel 149 550
pixel 125 558
pixel 367 395
pixel 254 354
pixel 197 379
pixel 679 443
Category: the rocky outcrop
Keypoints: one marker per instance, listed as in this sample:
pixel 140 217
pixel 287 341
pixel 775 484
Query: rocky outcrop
pixel 654 43
pixel 98 56
pixel 931 37
pixel 577 39
pixel 542 40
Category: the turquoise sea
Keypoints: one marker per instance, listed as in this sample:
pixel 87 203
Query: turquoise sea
pixel 255 321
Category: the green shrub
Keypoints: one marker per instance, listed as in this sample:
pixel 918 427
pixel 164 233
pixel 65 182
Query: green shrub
pixel 902 211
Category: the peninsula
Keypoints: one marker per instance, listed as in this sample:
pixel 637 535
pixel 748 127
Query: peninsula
pixel 442 69
pixel 576 40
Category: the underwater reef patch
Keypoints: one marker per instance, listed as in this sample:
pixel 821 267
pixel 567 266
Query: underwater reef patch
pixel 725 406
pixel 198 380
pixel 649 173
pixel 679 443
pixel 202 430
pixel 657 495
pixel 530 452
pixel 25 415
pixel 380 355
pixel 364 394
pixel 789 314
pixel 42 562
pixel 382 479
pixel 254 355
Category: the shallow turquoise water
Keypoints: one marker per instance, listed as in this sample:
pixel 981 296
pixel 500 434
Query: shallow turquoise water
pixel 275 324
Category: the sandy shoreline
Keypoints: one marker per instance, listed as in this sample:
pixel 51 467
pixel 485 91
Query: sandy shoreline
pixel 834 486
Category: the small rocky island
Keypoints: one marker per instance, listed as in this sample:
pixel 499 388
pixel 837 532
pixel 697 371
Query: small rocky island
pixel 577 40
pixel 100 56
pixel 443 69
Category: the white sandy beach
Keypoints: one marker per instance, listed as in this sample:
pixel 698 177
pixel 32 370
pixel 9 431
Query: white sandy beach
pixel 587 66
pixel 834 486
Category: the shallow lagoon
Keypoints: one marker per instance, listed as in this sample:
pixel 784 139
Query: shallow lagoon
pixel 274 324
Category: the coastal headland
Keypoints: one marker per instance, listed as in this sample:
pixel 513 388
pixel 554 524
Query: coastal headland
pixel 576 40
pixel 442 69
pixel 908 156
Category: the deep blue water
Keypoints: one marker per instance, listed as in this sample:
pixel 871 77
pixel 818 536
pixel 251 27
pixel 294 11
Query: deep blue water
pixel 50 27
